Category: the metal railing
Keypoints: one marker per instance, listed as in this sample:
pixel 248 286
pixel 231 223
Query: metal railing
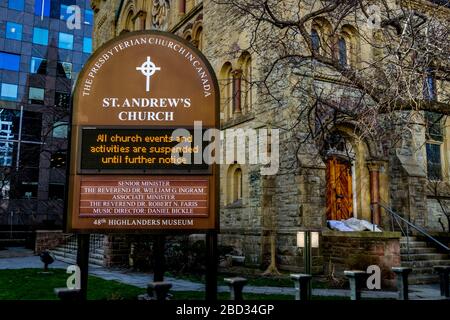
pixel 407 226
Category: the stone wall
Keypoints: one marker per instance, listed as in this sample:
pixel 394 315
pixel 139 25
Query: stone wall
pixel 436 217
pixel 295 197
pixel 358 250
pixel 48 239
pixel 117 250
pixel 438 203
pixel 246 242
pixel 408 188
pixel 104 26
pixel 290 257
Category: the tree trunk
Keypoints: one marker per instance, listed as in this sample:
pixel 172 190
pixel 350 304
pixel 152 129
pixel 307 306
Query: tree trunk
pixel 272 268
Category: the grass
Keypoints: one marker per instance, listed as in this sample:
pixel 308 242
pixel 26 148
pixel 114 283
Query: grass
pixel 32 284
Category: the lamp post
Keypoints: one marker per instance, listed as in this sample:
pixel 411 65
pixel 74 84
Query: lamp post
pixel 307 240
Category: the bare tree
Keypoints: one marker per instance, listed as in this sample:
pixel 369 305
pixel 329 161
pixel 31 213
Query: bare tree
pixel 404 47
pixel 437 191
pixel 385 64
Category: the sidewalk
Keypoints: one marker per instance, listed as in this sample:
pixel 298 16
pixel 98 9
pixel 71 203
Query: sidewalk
pixel 140 279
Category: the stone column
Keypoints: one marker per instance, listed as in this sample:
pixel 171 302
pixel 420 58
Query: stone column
pixel 181 7
pixel 236 287
pixel 139 20
pixel 195 43
pixel 444 272
pixel 402 282
pixel 159 290
pixel 237 91
pixel 374 173
pixel 302 283
pixel 65 294
pixel 356 279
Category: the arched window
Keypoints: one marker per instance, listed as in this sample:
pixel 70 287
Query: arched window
pixel 315 40
pixel 246 83
pixel 182 6
pixel 237 91
pixel 226 86
pixel 321 31
pixel 234 188
pixel 343 56
pixel 435 146
pixel 129 22
pixel 198 38
pixel 348 46
pixel 429 85
pixel 237 185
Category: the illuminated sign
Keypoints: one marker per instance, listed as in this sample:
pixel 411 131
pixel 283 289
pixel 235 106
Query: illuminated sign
pixel 147 150
pixel 129 169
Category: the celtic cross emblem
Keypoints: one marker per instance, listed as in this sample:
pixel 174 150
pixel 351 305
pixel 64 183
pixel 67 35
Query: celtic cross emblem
pixel 148 69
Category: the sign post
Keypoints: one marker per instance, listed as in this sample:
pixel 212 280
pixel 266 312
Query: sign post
pixel 83 262
pixel 211 266
pixel 143 140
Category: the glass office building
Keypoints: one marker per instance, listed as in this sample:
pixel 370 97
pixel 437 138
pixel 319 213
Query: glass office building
pixel 43 45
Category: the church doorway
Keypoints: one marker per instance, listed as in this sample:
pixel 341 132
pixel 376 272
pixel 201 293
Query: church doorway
pixel 339 189
pixel 340 159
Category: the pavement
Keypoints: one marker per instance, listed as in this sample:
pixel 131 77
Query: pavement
pixel 141 280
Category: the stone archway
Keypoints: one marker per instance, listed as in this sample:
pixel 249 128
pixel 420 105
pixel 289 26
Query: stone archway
pixel 354 182
pixel 340 174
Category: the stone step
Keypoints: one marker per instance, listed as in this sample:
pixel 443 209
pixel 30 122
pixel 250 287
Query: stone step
pixel 97 262
pixel 98 251
pixel 423 279
pixel 414 244
pixel 422 271
pixel 63 253
pixel 408 238
pixel 71 249
pixel 96 256
pixel 424 256
pixel 68 260
pixel 67 252
pixel 59 254
pixel 425 263
pixel 63 250
pixel 404 251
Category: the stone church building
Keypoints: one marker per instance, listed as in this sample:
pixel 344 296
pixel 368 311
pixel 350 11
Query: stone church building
pixel 350 175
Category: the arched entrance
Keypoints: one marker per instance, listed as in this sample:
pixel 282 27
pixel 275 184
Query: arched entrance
pixel 339 189
pixel 340 175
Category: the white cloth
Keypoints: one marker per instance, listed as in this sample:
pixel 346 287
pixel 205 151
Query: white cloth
pixel 352 225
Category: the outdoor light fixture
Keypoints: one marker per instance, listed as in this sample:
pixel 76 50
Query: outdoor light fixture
pixel 314 239
pixel 307 240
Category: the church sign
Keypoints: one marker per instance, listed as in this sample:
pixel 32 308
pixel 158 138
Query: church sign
pixel 136 153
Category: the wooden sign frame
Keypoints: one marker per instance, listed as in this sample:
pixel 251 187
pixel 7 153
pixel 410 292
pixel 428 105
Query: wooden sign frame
pixel 112 72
